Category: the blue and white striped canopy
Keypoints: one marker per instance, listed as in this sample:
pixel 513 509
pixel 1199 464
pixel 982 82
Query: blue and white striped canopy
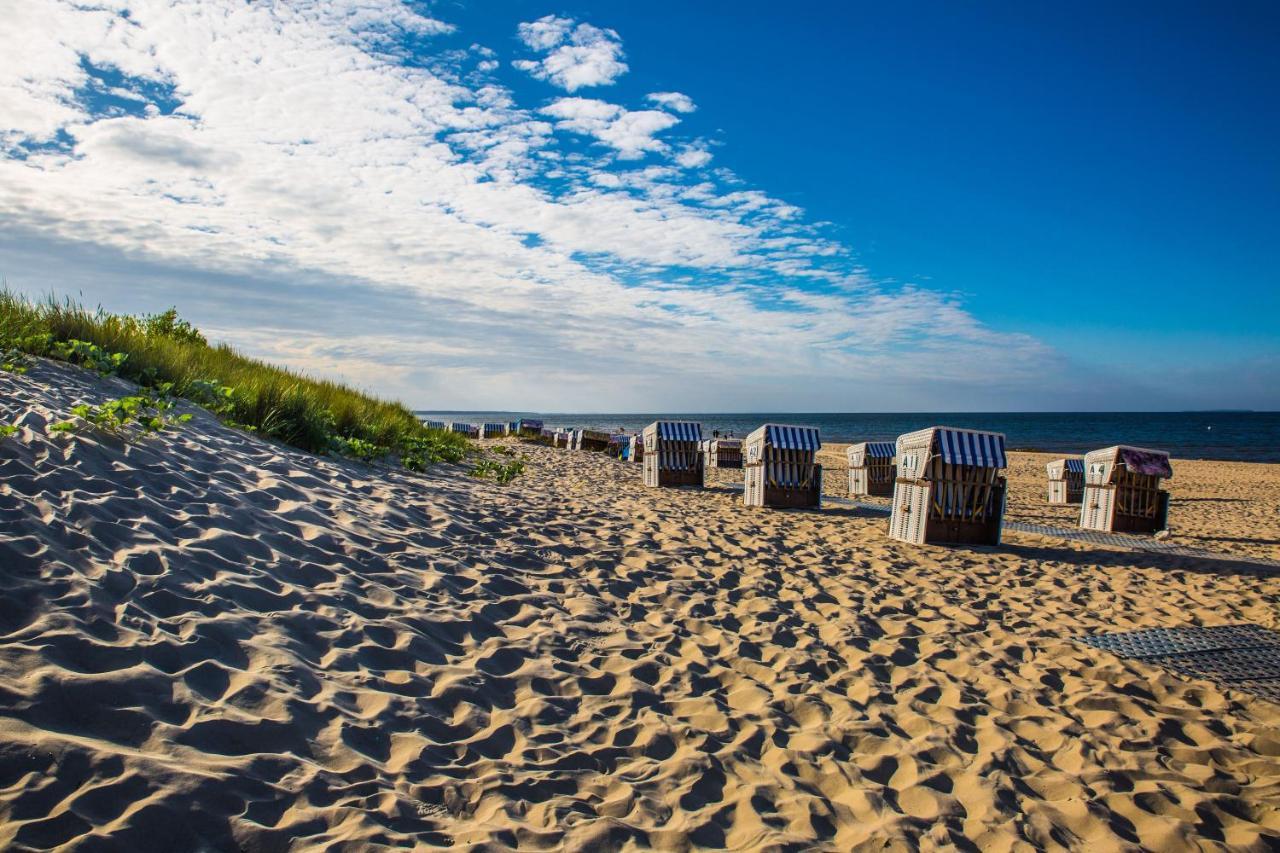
pixel 792 437
pixel 465 429
pixel 679 431
pixel 1074 466
pixel 434 424
pixel 881 449
pixel 619 438
pixel 966 447
pixel 514 426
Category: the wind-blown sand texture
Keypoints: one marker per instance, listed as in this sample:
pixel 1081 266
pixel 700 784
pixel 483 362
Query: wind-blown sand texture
pixel 211 642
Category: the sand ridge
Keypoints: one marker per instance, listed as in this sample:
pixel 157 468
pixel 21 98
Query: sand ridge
pixel 210 639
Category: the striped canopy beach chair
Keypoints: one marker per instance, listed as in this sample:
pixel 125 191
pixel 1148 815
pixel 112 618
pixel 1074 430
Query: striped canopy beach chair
pixel 949 487
pixel 1122 491
pixel 781 467
pixel 1066 480
pixel 722 453
pixel 493 430
pixel 435 425
pixel 635 449
pixel 671 454
pixel 469 430
pixel 618 443
pixel 529 427
pixel 871 468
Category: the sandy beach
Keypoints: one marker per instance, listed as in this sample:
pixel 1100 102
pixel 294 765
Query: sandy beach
pixel 210 641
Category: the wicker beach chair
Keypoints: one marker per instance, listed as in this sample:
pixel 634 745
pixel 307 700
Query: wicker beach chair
pixel 529 428
pixel 722 453
pixel 1066 480
pixel 561 438
pixel 781 468
pixel 949 487
pixel 469 430
pixel 618 445
pixel 493 430
pixel 671 454
pixel 1122 491
pixel 593 439
pixel 635 449
pixel 441 425
pixel 871 468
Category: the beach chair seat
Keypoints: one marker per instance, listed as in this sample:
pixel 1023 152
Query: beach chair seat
pixel 1066 480
pixel 1122 491
pixel 871 468
pixel 780 467
pixel 671 454
pixel 949 488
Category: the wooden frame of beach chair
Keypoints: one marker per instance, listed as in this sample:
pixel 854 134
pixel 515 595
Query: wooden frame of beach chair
pixel 1066 480
pixel 671 454
pixel 493 430
pixel 1122 491
pixel 722 453
pixel 871 468
pixel 949 488
pixel 780 467
pixel 593 439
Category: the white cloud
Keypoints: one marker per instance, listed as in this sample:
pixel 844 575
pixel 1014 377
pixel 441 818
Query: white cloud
pixel 303 146
pixel 631 133
pixel 676 101
pixel 577 55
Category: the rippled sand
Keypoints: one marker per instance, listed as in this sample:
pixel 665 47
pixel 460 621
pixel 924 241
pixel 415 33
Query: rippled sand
pixel 206 639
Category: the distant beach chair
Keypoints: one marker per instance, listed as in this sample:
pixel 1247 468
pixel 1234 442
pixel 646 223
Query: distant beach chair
pixel 722 453
pixel 469 430
pixel 949 487
pixel 513 428
pixel 561 438
pixel 435 425
pixel 671 454
pixel 635 449
pixel 871 468
pixel 1066 480
pixel 529 428
pixel 1122 491
pixel 493 430
pixel 781 467
pixel 618 445
pixel 593 439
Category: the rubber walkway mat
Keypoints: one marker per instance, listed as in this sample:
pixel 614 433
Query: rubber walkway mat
pixel 1243 657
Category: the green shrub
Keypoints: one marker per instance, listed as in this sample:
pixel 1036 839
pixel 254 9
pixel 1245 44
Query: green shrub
pixel 503 472
pixel 281 404
pixel 147 413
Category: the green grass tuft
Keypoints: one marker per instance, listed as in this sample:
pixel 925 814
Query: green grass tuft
pixel 314 415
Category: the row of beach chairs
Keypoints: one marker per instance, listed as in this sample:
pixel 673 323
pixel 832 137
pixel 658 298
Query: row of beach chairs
pixel 945 483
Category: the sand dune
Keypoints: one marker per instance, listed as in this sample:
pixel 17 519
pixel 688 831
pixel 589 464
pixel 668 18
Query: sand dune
pixel 208 641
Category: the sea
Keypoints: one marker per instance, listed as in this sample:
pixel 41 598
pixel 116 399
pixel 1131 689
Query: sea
pixel 1242 436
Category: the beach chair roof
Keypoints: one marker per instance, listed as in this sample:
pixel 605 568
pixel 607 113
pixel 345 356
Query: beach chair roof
pixel 529 423
pixel 595 434
pixel 619 438
pixel 873 449
pixel 786 437
pixel 958 446
pixel 1139 460
pixel 495 426
pixel 675 430
pixel 726 443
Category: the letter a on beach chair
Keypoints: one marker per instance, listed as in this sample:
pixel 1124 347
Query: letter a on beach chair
pixel 1066 480
pixel 1122 491
pixel 949 487
pixel 671 454
pixel 871 468
pixel 781 468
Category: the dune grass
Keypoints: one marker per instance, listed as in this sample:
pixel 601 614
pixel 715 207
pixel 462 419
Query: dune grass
pixel 162 350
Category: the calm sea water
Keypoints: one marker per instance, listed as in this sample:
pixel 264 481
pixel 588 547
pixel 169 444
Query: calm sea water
pixel 1252 436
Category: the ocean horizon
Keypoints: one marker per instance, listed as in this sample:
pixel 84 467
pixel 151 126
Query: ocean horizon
pixel 1246 436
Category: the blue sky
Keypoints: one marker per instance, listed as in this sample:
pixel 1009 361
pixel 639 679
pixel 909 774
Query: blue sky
pixel 670 205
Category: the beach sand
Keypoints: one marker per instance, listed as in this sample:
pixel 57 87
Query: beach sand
pixel 208 641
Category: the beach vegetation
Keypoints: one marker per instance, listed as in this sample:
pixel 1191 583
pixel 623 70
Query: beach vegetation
pixel 7 430
pixel 148 412
pixel 314 415
pixel 502 472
